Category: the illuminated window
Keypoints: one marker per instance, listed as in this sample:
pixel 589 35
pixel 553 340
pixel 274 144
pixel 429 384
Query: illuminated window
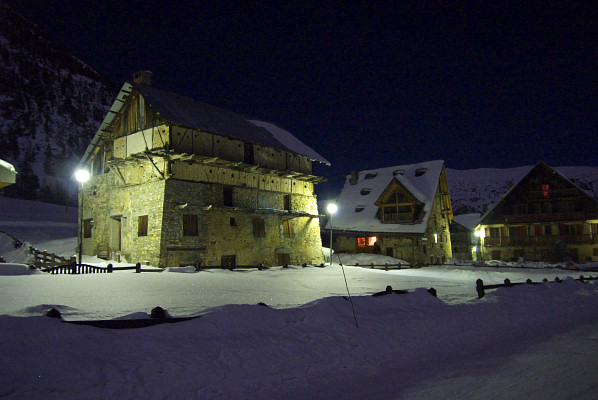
pixel 545 190
pixel 371 240
pixel 361 242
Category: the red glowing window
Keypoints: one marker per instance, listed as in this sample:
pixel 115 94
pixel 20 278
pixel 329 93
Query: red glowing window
pixel 361 242
pixel 545 190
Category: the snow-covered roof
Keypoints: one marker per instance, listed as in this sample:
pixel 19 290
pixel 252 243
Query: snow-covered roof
pixel 289 141
pixel 469 221
pixel 190 113
pixel 421 180
pixel 196 114
pixel 7 173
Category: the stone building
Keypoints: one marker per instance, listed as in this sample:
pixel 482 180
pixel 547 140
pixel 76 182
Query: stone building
pixel 402 211
pixel 544 217
pixel 179 182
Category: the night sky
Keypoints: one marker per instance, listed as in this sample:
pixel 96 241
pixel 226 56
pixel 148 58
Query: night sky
pixel 365 85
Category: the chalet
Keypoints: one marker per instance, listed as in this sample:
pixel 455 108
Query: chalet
pixel 544 217
pixel 7 174
pixel 402 211
pixel 464 242
pixel 179 182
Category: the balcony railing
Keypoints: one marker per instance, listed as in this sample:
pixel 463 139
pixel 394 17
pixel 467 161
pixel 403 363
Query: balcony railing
pixel 562 216
pixel 540 240
pixel 400 218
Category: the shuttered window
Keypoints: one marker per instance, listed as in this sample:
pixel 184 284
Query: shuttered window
pixel 190 225
pixel 142 225
pixel 259 227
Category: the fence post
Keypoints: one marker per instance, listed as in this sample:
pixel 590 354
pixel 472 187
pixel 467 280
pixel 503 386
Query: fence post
pixel 385 266
pixel 479 287
pixel 138 268
pixel 109 268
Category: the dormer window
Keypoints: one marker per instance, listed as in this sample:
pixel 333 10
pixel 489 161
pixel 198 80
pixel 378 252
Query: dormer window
pixel 370 175
pixel 365 191
pixel 399 172
pixel 420 171
pixel 359 208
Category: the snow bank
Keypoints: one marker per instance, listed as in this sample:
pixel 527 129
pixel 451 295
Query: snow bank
pixel 403 344
pixel 17 269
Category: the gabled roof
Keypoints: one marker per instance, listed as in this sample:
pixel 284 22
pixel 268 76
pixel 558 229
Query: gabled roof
pixel 421 180
pixel 190 113
pixel 468 221
pixel 539 164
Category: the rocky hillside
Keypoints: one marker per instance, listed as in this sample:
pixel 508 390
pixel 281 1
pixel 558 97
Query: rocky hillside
pixel 51 104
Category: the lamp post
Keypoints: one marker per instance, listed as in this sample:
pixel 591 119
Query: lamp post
pixel 82 176
pixel 331 210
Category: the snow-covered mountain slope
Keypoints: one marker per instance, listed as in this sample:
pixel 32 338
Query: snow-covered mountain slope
pixel 51 104
pixel 475 190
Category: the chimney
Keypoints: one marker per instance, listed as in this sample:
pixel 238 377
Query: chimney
pixel 143 78
pixel 354 176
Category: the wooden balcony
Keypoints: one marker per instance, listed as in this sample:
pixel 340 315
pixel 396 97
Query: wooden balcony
pixel 540 240
pixel 553 217
pixel 398 218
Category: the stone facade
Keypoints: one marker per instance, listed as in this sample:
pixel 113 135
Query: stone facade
pixel 169 195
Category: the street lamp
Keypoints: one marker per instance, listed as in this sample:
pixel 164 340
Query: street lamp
pixel 331 210
pixel 82 176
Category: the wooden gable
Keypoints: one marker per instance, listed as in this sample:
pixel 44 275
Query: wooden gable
pixel 543 195
pixel 397 205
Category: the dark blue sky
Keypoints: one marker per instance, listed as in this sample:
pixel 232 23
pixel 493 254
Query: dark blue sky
pixel 365 85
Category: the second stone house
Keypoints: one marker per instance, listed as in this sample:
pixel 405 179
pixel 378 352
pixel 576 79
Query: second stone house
pixel 402 211
pixel 179 182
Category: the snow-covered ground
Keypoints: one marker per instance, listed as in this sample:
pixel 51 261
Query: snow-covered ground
pixel 529 341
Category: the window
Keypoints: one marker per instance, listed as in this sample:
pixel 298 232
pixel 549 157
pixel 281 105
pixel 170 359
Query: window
pixel 287 202
pixel 227 196
pixel 547 230
pixel 595 251
pixel 288 228
pixel 259 227
pixel 87 223
pixel 365 191
pixel 359 208
pixel 545 190
pixel 142 225
pixel 371 175
pixel 366 241
pixel 420 171
pixel 233 221
pixel 537 229
pixel 190 227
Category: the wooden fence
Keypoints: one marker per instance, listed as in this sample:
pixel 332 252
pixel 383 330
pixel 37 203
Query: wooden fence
pixel 481 287
pixel 77 269
pixel 47 259
pixel 385 266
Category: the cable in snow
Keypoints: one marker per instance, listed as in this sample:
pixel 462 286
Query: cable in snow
pixel 347 286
